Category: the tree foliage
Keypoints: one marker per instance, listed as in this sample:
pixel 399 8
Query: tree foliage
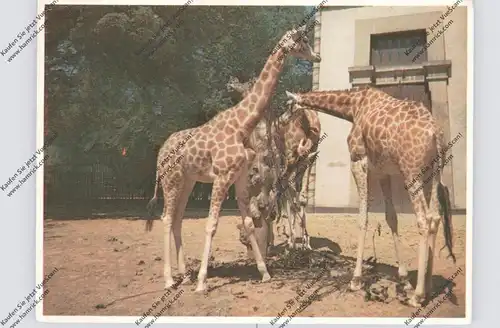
pixel 113 104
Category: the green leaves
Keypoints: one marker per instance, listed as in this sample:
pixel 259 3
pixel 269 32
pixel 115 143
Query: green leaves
pixel 103 96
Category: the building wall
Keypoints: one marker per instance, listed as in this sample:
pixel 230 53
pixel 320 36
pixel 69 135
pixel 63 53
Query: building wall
pixel 344 41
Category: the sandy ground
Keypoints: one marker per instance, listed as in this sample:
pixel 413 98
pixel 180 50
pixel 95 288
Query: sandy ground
pixel 113 267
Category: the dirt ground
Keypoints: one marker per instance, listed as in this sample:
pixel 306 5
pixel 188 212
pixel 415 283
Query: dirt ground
pixel 113 267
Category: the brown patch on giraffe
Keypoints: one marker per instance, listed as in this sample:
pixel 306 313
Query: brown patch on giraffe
pixel 221 125
pixel 220 154
pixel 231 140
pixel 220 163
pixel 377 131
pixel 229 130
pixel 192 151
pixel 342 100
pixel 415 131
pixel 254 98
pixel 219 137
pixel 245 102
pixel 200 144
pixel 210 144
pixel 232 150
pixel 241 114
pixel 421 124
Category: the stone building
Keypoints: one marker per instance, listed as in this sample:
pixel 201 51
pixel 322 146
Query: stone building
pixel 388 47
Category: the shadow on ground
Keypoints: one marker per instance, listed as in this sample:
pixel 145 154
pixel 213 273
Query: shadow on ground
pixel 330 270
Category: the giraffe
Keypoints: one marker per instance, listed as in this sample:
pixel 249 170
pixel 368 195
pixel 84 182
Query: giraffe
pixel 300 137
pixel 218 152
pixel 301 143
pixel 392 136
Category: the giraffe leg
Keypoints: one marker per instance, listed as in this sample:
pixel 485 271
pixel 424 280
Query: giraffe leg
pixel 170 194
pixel 434 218
pixel 392 221
pixel 303 219
pixel 177 228
pixel 305 234
pixel 270 243
pixel 241 189
pixel 420 207
pixel 359 170
pixel 291 222
pixel 219 192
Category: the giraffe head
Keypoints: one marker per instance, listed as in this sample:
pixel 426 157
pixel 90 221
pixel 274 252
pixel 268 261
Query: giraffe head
pixel 243 88
pixel 293 98
pixel 296 43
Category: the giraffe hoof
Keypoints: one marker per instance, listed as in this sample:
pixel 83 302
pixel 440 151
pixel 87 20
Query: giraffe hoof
pixel 266 277
pixel 406 285
pixel 356 284
pixel 415 301
pixel 186 281
pixel 169 283
pixel 201 288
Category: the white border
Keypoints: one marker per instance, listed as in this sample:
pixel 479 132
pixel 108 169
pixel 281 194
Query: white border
pixel 259 320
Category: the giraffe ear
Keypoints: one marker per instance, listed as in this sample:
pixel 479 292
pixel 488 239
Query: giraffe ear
pixel 233 79
pixel 291 96
pixel 231 84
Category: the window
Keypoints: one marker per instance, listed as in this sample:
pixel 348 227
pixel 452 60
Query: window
pixel 417 92
pixel 397 48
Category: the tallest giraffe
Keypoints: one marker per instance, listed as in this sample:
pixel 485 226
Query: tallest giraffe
pixel 218 152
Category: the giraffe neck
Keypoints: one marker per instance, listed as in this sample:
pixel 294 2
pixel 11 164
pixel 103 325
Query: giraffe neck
pixel 257 100
pixel 343 104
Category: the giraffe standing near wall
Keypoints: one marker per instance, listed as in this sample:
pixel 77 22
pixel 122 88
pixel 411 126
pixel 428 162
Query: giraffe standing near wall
pixel 392 136
pixel 218 152
pixel 299 137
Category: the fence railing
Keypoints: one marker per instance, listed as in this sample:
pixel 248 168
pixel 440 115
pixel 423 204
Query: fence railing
pixel 95 184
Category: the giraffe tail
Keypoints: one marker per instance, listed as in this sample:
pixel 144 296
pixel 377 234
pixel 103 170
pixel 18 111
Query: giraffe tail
pixel 444 199
pixel 151 205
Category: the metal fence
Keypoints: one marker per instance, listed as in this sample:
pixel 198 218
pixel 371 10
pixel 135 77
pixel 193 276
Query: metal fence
pixel 93 187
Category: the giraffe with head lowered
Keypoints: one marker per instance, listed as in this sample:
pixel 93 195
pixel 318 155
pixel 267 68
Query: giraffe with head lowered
pixel 298 136
pixel 218 152
pixel 392 136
